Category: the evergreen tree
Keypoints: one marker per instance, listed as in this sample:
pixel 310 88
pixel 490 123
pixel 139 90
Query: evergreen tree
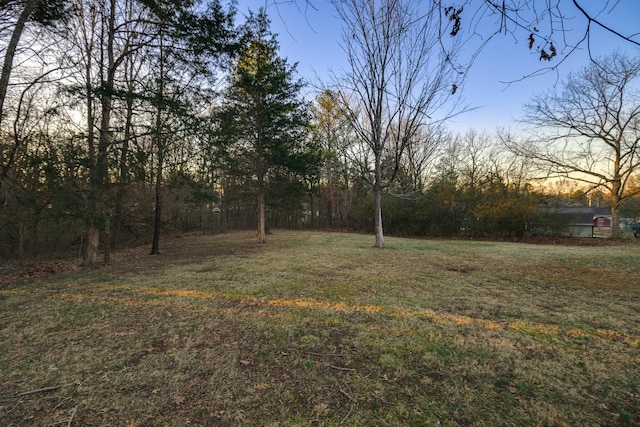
pixel 264 118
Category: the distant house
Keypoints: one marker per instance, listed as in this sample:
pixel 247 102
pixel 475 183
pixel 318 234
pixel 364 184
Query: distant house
pixel 576 221
pixel 601 225
pixel 601 222
pixel 581 221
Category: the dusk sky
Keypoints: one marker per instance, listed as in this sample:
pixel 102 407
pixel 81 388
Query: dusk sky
pixel 311 36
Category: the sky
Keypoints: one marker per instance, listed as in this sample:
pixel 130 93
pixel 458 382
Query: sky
pixel 310 35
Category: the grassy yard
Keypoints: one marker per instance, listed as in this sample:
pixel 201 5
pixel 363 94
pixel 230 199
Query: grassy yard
pixel 318 328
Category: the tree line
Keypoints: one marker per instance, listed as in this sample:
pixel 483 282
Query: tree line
pixel 124 119
pixel 113 113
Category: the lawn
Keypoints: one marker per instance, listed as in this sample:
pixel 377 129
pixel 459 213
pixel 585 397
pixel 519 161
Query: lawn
pixel 318 328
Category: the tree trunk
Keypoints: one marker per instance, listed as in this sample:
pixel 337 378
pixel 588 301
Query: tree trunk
pixel 155 246
pixel 615 224
pixel 615 214
pixel 91 251
pixel 93 234
pixel 22 231
pixel 106 240
pixel 160 145
pixel 330 196
pixel 124 174
pixel 102 167
pixel 312 207
pixel 98 175
pixel 10 52
pixel 377 202
pixel 261 218
pixel 346 202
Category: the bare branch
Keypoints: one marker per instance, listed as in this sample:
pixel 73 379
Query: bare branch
pixel 590 131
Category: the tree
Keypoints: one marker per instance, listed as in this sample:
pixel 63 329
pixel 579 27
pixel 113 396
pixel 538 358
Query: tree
pixel 420 156
pixel 589 131
pixel 93 106
pixel 188 46
pixel 26 75
pixel 16 16
pixel 104 39
pixel 331 131
pixel 263 116
pixel 44 13
pixel 396 81
pixel 150 60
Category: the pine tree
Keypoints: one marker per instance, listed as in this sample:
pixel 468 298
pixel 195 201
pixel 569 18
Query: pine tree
pixel 264 118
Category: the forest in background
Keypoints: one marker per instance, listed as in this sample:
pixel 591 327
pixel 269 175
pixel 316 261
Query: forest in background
pixel 122 118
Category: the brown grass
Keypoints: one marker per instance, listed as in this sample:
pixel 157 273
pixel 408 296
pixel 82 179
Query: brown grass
pixel 321 329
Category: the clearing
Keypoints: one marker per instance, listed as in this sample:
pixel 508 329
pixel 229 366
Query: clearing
pixel 318 328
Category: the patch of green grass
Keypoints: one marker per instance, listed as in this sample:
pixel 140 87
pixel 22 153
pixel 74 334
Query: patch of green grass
pixel 321 329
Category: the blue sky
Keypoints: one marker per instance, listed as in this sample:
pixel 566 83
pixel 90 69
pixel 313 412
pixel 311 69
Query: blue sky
pixel 311 37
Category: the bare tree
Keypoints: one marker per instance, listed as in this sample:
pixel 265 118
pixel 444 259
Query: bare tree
pixel 28 75
pixel 42 13
pixel 475 159
pixel 590 131
pixel 422 153
pixel 331 131
pixel 16 17
pixel 553 29
pixel 7 66
pixel 396 81
pixel 105 37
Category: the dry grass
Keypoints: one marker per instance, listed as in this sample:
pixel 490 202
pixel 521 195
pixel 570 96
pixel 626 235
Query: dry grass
pixel 321 329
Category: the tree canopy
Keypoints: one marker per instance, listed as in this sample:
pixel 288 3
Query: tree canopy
pixel 264 118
